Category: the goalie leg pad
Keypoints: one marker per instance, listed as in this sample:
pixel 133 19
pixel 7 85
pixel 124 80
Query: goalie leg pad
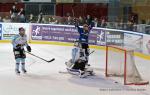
pixel 73 71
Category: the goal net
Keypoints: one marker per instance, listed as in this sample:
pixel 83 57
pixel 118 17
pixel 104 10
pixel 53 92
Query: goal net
pixel 120 63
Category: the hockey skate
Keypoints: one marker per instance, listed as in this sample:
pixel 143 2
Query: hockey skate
pixel 84 74
pixel 89 70
pixel 24 70
pixel 17 71
pixel 91 73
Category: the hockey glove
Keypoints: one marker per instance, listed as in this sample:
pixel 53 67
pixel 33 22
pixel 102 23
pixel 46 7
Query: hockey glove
pixel 28 48
pixel 18 46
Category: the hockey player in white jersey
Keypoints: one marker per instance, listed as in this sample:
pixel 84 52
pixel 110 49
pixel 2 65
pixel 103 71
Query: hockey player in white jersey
pixel 77 65
pixel 19 41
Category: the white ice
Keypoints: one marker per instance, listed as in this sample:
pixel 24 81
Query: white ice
pixel 44 78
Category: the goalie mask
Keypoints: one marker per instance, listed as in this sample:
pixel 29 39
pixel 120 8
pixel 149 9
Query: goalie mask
pixel 77 44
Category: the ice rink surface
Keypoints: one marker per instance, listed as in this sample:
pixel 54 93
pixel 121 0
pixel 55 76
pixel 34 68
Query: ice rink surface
pixel 44 78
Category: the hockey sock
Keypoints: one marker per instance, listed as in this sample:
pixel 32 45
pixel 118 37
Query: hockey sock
pixel 17 66
pixel 23 67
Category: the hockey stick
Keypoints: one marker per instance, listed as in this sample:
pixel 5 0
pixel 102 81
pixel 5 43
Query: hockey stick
pixel 41 58
pixel 91 52
pixel 63 72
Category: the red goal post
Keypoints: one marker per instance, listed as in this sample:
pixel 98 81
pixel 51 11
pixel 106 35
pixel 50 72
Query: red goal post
pixel 120 63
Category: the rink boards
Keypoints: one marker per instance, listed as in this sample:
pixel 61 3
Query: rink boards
pixel 67 34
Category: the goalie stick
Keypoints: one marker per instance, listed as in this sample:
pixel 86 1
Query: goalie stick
pixel 41 57
pixel 63 72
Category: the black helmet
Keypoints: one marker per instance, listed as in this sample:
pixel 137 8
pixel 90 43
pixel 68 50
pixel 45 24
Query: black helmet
pixel 21 28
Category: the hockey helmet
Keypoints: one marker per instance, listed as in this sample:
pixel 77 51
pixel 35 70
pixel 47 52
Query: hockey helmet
pixel 77 44
pixel 21 29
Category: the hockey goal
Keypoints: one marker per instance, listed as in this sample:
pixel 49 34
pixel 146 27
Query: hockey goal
pixel 120 63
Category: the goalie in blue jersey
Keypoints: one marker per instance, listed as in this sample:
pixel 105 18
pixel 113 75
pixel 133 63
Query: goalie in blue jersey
pixel 77 65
